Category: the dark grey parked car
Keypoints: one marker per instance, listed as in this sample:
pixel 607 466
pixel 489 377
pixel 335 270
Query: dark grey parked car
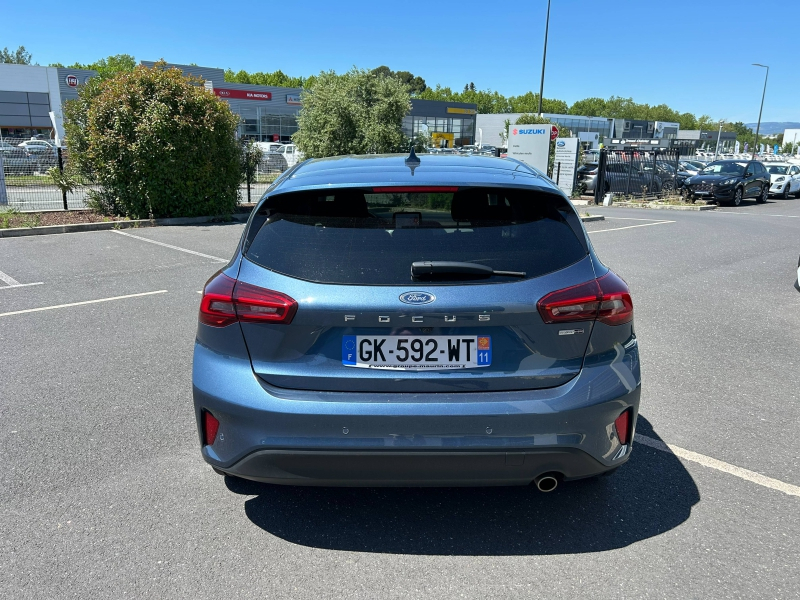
pixel 730 181
pixel 620 178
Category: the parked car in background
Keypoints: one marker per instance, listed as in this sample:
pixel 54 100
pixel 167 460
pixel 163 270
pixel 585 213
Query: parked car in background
pixel 17 161
pixel 449 327
pixel 691 167
pixel 731 181
pixel 290 154
pixel 784 179
pixel 621 178
pixel 268 146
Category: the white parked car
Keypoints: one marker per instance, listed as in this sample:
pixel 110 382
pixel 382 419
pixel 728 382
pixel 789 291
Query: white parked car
pixel 268 146
pixel 290 153
pixel 784 179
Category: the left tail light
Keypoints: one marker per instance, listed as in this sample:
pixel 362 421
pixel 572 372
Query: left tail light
pixel 606 299
pixel 226 301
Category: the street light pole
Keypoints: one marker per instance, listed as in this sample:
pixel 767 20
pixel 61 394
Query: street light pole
pixel 544 57
pixel 764 93
pixel 719 135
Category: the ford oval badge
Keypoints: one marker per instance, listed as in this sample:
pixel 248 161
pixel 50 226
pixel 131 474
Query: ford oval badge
pixel 417 298
pixel 561 144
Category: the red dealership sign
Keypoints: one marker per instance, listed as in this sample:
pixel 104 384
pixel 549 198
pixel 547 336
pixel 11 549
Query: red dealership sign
pixel 242 94
pixel 553 133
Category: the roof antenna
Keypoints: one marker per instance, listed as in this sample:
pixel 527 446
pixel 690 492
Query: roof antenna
pixel 413 161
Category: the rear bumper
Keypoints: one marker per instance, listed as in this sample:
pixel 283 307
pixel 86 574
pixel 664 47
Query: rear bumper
pixel 413 468
pixel 490 438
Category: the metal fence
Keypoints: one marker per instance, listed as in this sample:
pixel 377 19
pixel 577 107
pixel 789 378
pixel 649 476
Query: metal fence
pixel 30 174
pixel 637 173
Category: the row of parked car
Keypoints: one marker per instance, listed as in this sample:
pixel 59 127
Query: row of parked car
pixel 728 180
pixel 27 157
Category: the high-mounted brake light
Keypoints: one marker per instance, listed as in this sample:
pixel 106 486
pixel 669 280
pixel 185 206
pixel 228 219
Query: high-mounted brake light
pixel 606 299
pixel 419 189
pixel 226 301
pixel 210 428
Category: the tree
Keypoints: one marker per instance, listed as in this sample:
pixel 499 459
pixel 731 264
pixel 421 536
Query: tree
pixel 156 143
pixel 18 57
pixel 251 157
pixel 415 85
pixel 529 103
pixel 277 78
pixel 106 67
pixel 357 112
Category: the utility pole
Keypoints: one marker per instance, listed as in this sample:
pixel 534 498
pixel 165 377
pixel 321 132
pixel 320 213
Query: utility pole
pixel 544 58
pixel 764 93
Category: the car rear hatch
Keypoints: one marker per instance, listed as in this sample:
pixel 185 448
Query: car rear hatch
pixel 360 322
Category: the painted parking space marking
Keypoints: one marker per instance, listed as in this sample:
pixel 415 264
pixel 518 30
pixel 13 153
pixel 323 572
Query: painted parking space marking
pixel 32 310
pixel 170 246
pixel 632 219
pixel 8 279
pixel 13 283
pixel 631 226
pixel 18 285
pixel 713 463
pixel 752 214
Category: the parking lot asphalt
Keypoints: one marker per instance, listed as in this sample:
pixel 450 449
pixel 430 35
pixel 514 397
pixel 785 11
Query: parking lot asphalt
pixel 103 493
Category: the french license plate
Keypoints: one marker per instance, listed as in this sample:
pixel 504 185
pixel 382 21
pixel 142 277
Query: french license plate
pixel 408 352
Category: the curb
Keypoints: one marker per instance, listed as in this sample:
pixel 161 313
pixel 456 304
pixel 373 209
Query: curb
pixel 664 206
pixel 107 225
pixel 591 218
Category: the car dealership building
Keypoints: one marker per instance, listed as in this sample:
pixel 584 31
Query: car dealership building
pixel 270 113
pixel 28 94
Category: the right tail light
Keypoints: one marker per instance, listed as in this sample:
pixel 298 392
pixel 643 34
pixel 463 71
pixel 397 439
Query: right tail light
pixel 606 299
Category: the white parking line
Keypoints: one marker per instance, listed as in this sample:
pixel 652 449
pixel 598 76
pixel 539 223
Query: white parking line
pixel 30 310
pixel 713 463
pixel 6 287
pixel 632 219
pixel 734 212
pixel 631 226
pixel 178 248
pixel 8 279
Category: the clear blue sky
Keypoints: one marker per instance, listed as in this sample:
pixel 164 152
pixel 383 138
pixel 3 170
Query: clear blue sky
pixel 693 55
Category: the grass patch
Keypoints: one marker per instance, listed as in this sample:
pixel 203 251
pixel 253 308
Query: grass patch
pixel 11 217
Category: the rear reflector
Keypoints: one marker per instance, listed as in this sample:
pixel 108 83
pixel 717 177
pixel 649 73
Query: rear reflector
pixel 414 189
pixel 623 426
pixel 226 301
pixel 606 299
pixel 210 428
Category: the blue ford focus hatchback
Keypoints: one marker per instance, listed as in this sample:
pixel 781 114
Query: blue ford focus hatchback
pixel 392 320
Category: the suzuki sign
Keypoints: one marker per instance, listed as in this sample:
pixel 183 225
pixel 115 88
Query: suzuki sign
pixel 531 145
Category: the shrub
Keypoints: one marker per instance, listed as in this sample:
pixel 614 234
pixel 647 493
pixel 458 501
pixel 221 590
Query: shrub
pixel 157 144
pixel 358 112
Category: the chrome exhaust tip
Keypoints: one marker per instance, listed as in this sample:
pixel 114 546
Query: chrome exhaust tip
pixel 547 482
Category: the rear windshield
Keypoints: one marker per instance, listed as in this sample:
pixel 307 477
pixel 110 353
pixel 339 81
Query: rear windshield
pixel 371 236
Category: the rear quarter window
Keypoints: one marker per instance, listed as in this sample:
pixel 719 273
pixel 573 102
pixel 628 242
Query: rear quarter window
pixel 371 236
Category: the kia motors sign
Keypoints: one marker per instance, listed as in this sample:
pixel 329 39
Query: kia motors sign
pixel 242 94
pixel 553 133
pixel 71 80
pixel 530 144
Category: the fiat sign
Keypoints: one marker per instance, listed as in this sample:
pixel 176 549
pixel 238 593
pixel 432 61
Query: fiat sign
pixel 71 80
pixel 553 133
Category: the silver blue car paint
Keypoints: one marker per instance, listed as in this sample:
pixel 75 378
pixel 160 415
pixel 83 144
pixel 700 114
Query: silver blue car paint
pixel 554 413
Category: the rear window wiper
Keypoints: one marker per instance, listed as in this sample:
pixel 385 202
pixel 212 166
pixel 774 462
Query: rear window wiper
pixel 430 269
